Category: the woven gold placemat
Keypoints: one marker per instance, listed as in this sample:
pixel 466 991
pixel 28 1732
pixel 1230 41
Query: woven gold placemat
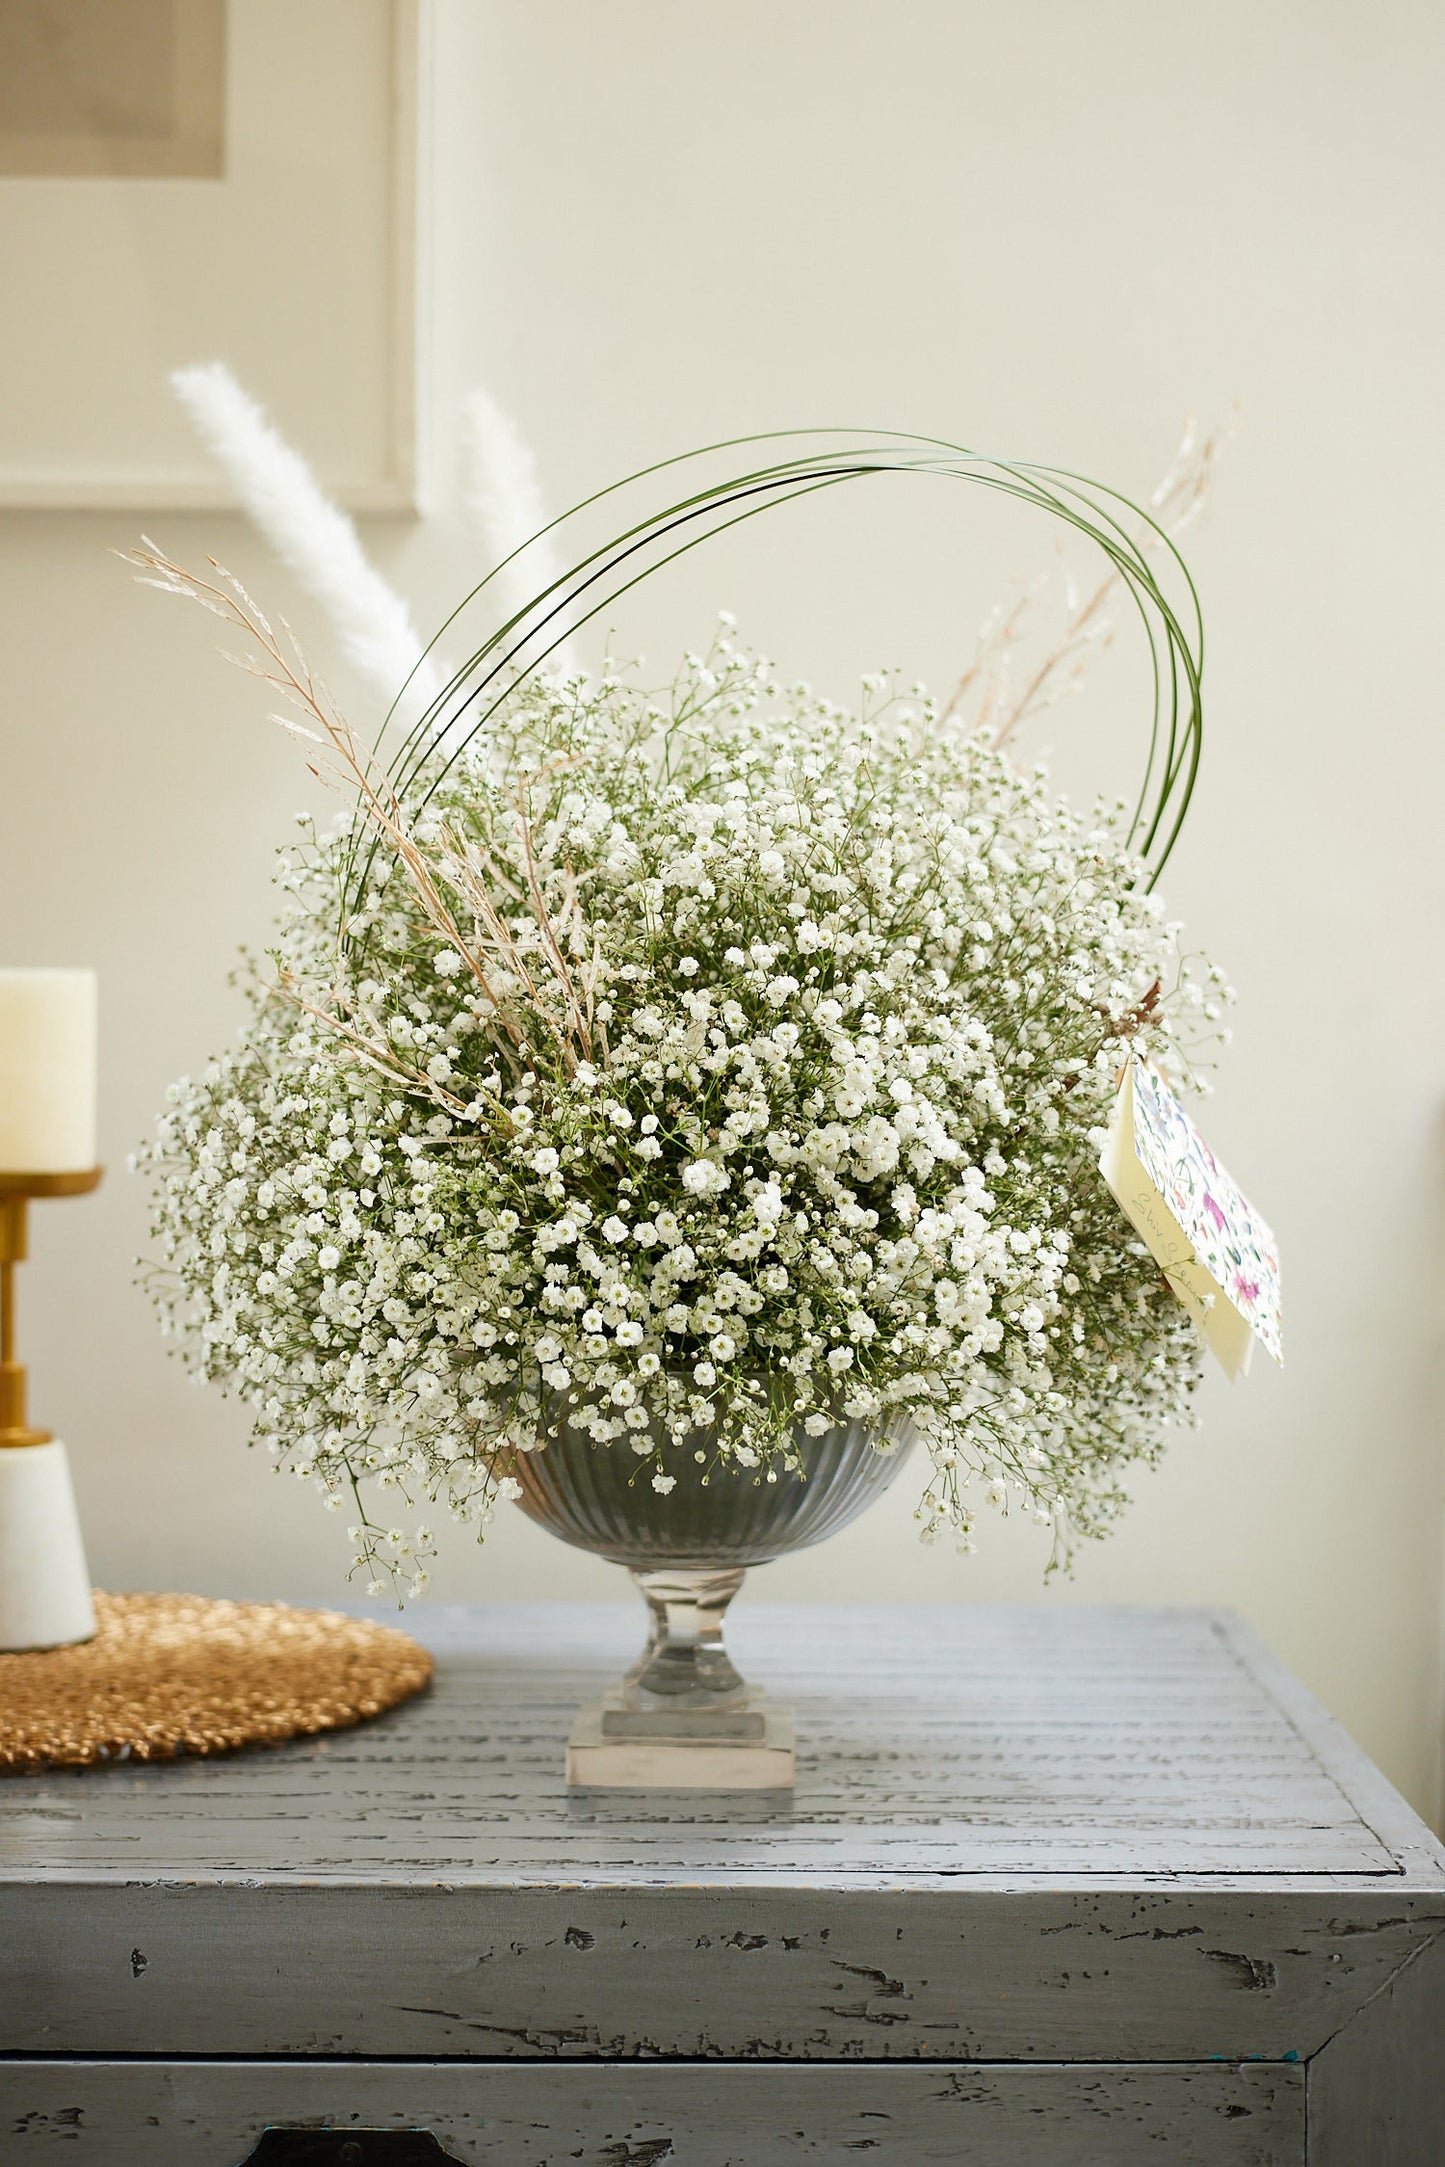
pixel 170 1674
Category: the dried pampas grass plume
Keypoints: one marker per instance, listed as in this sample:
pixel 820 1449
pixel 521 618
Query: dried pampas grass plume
pixel 313 537
pixel 501 494
pixel 1014 677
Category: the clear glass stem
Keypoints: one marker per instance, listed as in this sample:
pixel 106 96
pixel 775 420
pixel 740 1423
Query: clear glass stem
pixel 685 1661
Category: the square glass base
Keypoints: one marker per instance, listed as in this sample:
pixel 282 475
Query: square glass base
pixel 617 1747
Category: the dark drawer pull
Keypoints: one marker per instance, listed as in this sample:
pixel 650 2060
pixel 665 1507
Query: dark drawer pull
pixel 349 2148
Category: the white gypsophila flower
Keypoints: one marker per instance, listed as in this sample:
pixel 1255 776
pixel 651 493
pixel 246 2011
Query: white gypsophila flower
pixel 768 1097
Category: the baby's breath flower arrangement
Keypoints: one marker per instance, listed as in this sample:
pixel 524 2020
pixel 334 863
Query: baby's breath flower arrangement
pixel 716 1061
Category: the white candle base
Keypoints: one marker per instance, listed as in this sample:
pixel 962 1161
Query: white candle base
pixel 44 1579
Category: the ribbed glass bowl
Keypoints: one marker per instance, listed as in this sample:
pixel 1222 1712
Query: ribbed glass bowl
pixel 600 1497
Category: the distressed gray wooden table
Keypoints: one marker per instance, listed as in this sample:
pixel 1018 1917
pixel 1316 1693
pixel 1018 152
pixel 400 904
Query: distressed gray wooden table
pixel 1059 1886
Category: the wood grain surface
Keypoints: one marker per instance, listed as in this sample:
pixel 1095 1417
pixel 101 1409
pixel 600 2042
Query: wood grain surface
pixel 1065 1746
pixel 656 2115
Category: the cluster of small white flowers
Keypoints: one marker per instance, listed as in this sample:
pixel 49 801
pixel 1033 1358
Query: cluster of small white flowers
pixel 799 1123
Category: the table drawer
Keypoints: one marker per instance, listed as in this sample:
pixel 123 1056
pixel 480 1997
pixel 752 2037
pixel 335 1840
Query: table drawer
pixel 641 2114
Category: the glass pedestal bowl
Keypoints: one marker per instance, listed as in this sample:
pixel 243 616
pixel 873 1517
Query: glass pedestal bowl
pixel 683 1717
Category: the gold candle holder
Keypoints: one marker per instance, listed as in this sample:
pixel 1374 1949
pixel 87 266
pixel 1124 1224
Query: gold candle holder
pixel 16 1191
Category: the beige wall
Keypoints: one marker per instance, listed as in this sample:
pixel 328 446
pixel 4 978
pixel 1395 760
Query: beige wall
pixel 1041 228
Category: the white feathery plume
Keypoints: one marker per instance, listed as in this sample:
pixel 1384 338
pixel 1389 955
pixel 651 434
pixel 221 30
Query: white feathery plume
pixel 501 492
pixel 313 537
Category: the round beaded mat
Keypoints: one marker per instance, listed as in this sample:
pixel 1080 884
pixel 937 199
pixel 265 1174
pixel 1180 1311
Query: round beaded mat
pixel 171 1674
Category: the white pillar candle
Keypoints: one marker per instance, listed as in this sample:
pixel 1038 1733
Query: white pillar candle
pixel 47 1071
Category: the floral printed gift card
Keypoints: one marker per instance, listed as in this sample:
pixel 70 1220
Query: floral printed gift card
pixel 1212 1246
